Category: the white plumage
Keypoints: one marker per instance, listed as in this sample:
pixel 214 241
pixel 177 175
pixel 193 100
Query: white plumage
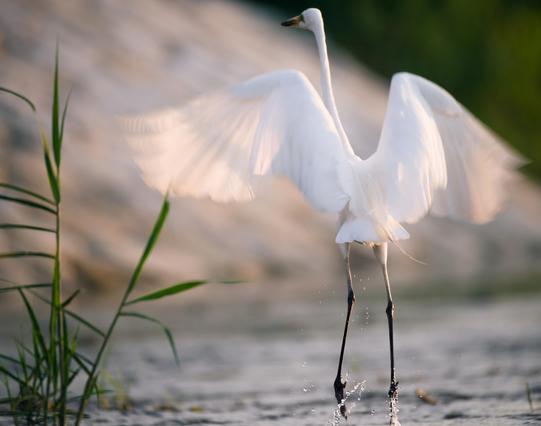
pixel 218 145
pixel 432 154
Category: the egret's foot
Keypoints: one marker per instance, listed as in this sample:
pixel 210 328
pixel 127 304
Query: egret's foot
pixel 393 404
pixel 339 387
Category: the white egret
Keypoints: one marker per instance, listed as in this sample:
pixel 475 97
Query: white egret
pixel 433 156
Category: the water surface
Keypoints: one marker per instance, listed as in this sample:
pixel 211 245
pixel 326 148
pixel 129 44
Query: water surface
pixel 275 364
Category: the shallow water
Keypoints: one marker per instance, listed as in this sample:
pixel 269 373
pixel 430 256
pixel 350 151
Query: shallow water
pixel 274 364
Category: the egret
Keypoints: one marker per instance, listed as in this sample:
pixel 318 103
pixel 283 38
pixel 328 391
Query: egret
pixel 433 156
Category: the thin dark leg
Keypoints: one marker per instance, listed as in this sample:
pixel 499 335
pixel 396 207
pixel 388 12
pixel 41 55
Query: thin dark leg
pixel 340 385
pixel 393 388
pixel 381 254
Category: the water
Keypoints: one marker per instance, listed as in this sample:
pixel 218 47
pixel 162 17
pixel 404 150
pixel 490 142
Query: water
pixel 274 365
pixel 351 395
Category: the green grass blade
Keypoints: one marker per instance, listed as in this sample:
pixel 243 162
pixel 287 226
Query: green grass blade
pixel 168 291
pixel 22 359
pixel 26 254
pixel 25 347
pixel 165 329
pixel 12 376
pixel 28 203
pixel 84 322
pixel 81 364
pixel 73 375
pixel 82 359
pixel 18 95
pixel 38 375
pixel 24 286
pixel 39 356
pixel 64 356
pixel 26 191
pixel 97 392
pixel 13 283
pixel 9 358
pixel 70 299
pixel 73 315
pixel 23 226
pixel 228 282
pixel 150 244
pixel 11 403
pixel 72 344
pixel 55 136
pixel 64 116
pixel 39 359
pixel 35 325
pixel 92 377
pixel 51 175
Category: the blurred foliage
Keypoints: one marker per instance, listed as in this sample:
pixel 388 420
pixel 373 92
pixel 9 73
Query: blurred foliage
pixel 487 53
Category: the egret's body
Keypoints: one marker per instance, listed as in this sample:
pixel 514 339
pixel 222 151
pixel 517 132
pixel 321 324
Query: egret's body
pixel 433 156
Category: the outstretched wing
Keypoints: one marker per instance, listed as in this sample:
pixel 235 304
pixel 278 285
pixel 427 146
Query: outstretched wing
pixel 216 146
pixel 434 155
pixel 479 164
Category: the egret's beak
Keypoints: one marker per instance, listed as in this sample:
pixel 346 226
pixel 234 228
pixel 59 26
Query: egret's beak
pixel 293 22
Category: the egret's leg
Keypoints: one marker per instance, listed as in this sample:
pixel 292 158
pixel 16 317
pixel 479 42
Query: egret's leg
pixel 393 388
pixel 381 254
pixel 340 385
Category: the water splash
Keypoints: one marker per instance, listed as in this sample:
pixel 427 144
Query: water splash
pixel 366 316
pixel 394 422
pixel 357 391
pixel 309 388
pixel 393 411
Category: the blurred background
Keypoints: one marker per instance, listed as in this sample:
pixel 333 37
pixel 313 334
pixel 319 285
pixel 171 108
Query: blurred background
pixel 119 60
pixel 126 57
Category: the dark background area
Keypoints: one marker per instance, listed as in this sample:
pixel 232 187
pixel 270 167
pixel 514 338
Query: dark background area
pixel 487 53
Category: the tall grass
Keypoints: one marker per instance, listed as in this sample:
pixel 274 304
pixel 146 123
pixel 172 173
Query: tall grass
pixel 38 375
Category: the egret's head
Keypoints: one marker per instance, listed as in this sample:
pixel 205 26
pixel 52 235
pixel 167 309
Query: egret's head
pixel 308 20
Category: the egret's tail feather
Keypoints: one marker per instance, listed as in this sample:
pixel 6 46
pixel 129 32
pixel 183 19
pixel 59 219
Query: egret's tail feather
pixel 367 230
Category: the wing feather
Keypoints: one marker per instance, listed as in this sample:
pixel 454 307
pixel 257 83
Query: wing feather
pixel 435 156
pixel 217 145
pixel 409 163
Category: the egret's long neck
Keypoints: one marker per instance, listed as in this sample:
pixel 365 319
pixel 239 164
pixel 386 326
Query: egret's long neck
pixel 326 85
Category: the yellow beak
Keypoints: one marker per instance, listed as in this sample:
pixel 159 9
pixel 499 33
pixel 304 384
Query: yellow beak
pixel 293 22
